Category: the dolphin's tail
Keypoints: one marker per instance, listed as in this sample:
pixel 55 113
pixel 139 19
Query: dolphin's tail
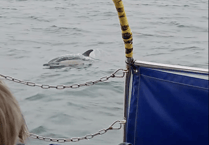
pixel 87 53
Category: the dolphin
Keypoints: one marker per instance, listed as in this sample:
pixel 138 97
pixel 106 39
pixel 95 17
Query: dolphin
pixel 69 60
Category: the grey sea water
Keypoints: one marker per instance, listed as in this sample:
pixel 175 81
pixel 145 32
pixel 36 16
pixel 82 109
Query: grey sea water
pixel 32 32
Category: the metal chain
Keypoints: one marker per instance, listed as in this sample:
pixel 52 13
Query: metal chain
pixel 76 139
pixel 74 86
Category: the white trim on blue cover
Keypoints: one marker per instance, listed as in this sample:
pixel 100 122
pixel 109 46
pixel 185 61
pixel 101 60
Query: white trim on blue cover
pixel 171 67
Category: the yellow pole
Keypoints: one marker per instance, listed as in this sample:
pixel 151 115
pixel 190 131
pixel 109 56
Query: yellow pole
pixel 126 30
pixel 128 41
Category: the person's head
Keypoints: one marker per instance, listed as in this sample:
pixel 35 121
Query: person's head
pixel 12 124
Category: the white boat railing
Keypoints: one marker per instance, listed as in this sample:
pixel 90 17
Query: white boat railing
pixel 171 67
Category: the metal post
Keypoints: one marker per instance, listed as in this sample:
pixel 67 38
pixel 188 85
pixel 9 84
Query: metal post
pixel 126 96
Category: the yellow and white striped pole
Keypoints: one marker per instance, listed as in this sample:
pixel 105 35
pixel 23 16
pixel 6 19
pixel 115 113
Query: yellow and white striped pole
pixel 128 41
pixel 126 30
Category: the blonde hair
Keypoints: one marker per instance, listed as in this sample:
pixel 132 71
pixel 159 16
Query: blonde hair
pixel 12 123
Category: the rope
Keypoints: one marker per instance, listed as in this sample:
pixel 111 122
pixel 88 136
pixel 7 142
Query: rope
pixel 126 30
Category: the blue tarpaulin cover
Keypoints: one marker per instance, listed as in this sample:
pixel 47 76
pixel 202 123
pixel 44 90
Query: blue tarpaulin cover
pixel 167 109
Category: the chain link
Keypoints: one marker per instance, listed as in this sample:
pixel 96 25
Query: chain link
pixel 76 139
pixel 74 86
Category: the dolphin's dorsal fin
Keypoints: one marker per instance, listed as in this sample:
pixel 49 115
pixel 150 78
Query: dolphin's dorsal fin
pixel 87 53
